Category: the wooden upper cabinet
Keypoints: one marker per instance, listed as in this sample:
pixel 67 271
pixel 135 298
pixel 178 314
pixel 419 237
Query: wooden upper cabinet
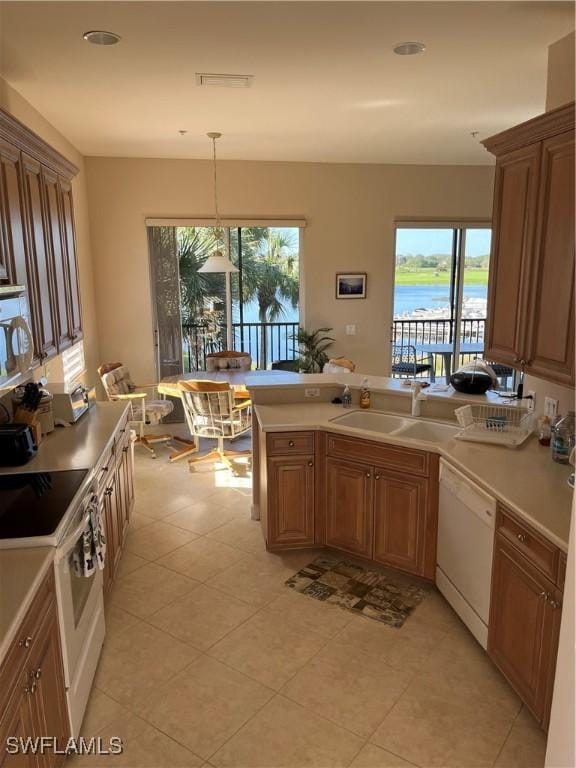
pixel 291 496
pixel 400 509
pixel 41 293
pixel 13 248
pixel 59 259
pixel 550 341
pixel 515 199
pixel 69 238
pixel 525 610
pixel 531 294
pixel 349 506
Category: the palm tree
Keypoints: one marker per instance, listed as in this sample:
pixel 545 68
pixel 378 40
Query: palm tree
pixel 269 275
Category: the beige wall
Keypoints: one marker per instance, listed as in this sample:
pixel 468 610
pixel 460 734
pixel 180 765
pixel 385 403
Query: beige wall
pixel 560 85
pixel 12 102
pixel 350 211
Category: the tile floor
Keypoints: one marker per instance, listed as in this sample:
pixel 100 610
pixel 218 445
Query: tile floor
pixel 210 661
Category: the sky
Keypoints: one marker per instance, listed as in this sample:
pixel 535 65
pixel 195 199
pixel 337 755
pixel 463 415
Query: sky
pixel 431 241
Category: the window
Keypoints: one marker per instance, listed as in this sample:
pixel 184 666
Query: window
pixel 193 315
pixel 440 299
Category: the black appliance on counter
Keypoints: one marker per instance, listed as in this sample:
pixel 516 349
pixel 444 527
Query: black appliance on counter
pixel 17 444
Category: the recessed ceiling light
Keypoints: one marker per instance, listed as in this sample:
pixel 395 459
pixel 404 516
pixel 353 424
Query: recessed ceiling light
pixel 100 37
pixel 409 49
pixel 223 81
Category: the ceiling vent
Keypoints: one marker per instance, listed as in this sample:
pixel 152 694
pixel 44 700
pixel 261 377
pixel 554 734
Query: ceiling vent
pixel 224 81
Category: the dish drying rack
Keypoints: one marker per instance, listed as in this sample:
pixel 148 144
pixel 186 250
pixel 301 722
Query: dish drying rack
pixel 498 424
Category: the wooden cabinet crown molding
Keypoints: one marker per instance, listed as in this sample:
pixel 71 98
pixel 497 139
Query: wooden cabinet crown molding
pixel 532 131
pixel 20 136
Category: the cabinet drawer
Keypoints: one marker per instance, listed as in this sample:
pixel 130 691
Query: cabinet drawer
pixel 385 456
pixel 541 553
pixel 26 637
pixel 286 443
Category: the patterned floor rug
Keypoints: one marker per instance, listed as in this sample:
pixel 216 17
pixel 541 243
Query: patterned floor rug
pixel 383 597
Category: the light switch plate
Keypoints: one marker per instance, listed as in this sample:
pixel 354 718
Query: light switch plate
pixel 530 399
pixel 550 407
pixel 350 330
pixel 311 392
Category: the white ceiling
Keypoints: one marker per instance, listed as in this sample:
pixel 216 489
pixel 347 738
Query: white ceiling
pixel 327 86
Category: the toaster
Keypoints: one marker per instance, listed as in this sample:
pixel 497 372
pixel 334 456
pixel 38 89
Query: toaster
pixel 71 402
pixel 17 444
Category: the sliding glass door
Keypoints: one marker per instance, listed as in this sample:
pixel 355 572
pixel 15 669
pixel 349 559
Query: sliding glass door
pixel 192 317
pixel 440 298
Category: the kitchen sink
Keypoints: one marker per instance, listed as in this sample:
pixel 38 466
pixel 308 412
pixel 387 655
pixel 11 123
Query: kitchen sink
pixel 429 431
pixel 402 426
pixel 372 421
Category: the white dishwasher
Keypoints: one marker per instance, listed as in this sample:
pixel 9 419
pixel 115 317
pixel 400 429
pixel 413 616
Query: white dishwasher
pixel 466 518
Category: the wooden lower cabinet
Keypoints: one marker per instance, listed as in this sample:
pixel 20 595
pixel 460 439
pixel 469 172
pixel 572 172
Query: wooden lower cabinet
pixel 349 507
pixel 291 493
pixel 33 703
pixel 524 627
pixel 117 500
pixel 400 510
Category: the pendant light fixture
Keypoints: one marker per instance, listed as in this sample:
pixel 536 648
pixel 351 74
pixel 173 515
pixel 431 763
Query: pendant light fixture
pixel 219 260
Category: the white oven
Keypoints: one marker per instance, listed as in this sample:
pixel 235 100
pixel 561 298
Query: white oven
pixel 81 613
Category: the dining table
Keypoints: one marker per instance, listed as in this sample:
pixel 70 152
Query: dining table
pixel 446 352
pixel 168 386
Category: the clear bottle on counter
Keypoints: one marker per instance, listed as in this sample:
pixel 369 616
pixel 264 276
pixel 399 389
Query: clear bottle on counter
pixel 564 438
pixel 347 397
pixel 544 431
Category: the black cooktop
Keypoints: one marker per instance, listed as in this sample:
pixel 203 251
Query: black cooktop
pixel 34 503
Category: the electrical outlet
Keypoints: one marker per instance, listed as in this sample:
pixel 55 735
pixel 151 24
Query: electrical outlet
pixel 550 407
pixel 350 330
pixel 530 399
pixel 311 392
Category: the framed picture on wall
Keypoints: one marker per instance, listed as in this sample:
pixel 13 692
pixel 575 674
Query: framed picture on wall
pixel 350 285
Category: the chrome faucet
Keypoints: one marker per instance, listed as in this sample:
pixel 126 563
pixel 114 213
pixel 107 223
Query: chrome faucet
pixel 416 387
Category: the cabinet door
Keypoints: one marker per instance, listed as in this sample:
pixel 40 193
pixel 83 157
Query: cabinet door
pixel 400 513
pixel 16 723
pixel 49 697
pixel 290 501
pixel 69 232
pixel 59 259
pixel 514 221
pixel 40 267
pixel 349 507
pixel 523 627
pixel 550 350
pixel 113 531
pixel 13 248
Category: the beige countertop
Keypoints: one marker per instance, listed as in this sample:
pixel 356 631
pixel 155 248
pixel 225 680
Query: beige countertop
pixel 525 479
pixel 21 573
pixel 77 447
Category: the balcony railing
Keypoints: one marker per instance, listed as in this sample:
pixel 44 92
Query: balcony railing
pixel 421 332
pixel 266 343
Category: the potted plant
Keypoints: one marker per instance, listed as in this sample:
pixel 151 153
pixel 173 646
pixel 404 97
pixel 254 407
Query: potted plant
pixel 312 346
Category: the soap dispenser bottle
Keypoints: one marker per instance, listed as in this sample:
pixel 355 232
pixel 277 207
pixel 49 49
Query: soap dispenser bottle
pixel 347 397
pixel 365 395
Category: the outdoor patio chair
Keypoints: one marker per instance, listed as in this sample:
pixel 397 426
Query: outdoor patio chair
pixel 406 364
pixel 503 372
pixel 212 411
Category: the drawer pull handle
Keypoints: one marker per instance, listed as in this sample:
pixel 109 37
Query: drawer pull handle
pixel 310 463
pixel 108 491
pixel 30 690
pixel 37 674
pixel 553 604
pixel 522 538
pixel 377 477
pixel 26 643
pixel 368 475
pixel 291 443
pixel 544 596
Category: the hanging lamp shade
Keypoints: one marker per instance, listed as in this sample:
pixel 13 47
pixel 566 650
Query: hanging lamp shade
pixel 218 262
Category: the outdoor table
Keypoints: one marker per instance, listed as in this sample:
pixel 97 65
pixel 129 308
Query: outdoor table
pixel 445 350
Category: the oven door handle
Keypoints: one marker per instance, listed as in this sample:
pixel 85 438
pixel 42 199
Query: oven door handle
pixel 68 544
